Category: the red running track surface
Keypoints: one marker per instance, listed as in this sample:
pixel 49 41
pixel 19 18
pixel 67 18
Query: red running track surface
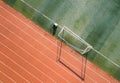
pixel 28 54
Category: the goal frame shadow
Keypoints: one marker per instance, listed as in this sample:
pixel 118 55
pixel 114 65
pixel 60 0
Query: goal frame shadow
pixel 82 75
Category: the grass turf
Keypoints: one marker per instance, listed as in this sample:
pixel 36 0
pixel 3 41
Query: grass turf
pixel 92 37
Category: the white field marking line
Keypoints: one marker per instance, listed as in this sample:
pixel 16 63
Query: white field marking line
pixel 63 49
pixel 40 52
pixel 38 42
pixel 73 57
pixel 7 76
pixel 54 53
pixel 14 71
pixel 20 66
pixel 71 32
pixel 49 49
pixel 42 45
pixel 79 71
pixel 105 57
pixel 69 54
pixel 51 42
pixel 32 47
pixel 36 59
pixel 53 21
pixel 38 11
pixel 25 60
pixel 66 61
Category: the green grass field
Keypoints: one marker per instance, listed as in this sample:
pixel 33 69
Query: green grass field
pixel 96 21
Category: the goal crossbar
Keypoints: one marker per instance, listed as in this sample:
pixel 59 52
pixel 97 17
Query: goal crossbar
pixel 82 51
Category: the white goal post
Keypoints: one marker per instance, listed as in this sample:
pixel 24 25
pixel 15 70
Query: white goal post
pixel 84 47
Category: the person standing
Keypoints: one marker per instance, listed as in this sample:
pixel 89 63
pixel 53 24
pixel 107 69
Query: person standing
pixel 54 27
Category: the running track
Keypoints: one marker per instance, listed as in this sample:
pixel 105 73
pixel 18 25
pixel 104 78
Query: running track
pixel 28 54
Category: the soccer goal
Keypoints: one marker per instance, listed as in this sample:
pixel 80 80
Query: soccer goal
pixel 74 41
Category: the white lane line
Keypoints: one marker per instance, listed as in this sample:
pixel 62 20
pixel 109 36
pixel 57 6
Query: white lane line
pixel 14 71
pixel 50 40
pixel 20 66
pixel 63 50
pixel 41 43
pixel 7 76
pixel 71 32
pixel 30 46
pixel 33 56
pixel 49 49
pixel 26 61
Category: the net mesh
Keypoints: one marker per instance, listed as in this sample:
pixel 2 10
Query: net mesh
pixel 74 41
pixel 30 10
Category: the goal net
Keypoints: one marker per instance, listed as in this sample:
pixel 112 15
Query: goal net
pixel 74 41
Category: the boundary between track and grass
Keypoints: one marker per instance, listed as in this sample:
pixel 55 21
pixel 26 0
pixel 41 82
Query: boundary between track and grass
pixel 36 31
pixel 36 49
pixel 24 23
pixel 72 32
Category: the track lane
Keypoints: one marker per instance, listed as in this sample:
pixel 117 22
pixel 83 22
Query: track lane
pixel 5 78
pixel 25 46
pixel 34 33
pixel 18 33
pixel 33 41
pixel 26 38
pixel 16 67
pixel 16 49
pixel 24 63
pixel 12 73
pixel 55 40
